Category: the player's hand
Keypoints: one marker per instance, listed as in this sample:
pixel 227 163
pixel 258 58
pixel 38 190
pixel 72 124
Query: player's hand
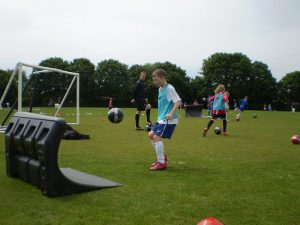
pixel 169 116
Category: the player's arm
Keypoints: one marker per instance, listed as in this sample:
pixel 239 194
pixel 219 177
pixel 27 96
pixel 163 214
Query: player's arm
pixel 175 107
pixel 173 96
pixel 225 99
pixel 211 100
pixel 136 90
pixel 227 105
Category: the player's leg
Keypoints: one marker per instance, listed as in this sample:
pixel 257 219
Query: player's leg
pixel 160 163
pixel 137 119
pixel 240 110
pixel 148 110
pixel 158 132
pixel 210 123
pixel 140 106
pixel 158 146
pixel 208 112
pixel 224 124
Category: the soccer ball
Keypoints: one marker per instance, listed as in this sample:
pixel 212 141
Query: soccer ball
pixel 115 115
pixel 254 116
pixel 148 127
pixel 218 130
pixel 237 118
pixel 203 99
pixel 295 139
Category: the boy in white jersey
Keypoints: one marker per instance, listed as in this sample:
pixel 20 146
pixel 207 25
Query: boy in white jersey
pixel 168 103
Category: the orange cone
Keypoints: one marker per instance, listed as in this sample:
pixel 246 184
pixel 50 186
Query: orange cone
pixel 210 221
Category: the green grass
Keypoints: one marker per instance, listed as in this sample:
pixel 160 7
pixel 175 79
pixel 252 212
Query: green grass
pixel 251 177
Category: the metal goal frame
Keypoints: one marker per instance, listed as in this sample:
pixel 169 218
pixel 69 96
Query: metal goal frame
pixel 42 69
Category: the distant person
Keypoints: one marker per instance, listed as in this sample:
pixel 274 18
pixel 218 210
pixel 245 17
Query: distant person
pixel 147 111
pixel 110 103
pixel 243 105
pixel 235 106
pixel 168 103
pixel 293 108
pixel 139 97
pixel 203 101
pixel 50 103
pixel 196 102
pixel 220 104
pixel 265 107
pixel 270 107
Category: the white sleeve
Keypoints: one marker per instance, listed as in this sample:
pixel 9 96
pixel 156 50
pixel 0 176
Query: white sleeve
pixel 172 94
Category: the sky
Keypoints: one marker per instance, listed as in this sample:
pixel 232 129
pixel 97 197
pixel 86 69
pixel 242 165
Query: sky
pixel 183 32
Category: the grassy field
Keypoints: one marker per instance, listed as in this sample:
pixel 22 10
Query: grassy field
pixel 251 177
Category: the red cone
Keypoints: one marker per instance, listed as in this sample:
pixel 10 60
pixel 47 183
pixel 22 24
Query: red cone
pixel 210 221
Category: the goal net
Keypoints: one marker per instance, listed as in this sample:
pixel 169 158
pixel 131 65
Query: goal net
pixel 47 91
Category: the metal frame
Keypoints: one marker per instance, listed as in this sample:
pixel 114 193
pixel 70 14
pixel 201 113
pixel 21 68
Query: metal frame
pixel 42 69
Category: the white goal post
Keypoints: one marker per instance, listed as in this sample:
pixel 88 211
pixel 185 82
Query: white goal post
pixel 41 69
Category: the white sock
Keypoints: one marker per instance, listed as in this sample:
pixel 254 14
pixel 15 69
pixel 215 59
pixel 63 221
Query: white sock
pixel 159 148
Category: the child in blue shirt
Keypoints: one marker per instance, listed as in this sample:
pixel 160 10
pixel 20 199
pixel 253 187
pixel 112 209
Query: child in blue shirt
pixel 243 103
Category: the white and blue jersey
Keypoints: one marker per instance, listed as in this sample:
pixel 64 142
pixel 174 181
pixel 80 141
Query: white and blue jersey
pixel 167 97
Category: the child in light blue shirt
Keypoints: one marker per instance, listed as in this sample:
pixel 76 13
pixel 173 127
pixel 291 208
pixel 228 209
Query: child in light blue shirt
pixel 168 103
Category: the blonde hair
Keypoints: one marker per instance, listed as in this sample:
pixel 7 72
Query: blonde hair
pixel 159 73
pixel 220 88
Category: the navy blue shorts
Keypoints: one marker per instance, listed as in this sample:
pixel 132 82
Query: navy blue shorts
pixel 163 130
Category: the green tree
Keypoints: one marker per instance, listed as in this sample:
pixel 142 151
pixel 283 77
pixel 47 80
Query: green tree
pixel 262 85
pixel 199 88
pixel 230 69
pixel 177 77
pixel 50 86
pixel 111 78
pixel 289 88
pixel 12 93
pixel 134 72
pixel 86 69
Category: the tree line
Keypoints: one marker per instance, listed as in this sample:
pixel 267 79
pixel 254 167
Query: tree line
pixel 113 79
